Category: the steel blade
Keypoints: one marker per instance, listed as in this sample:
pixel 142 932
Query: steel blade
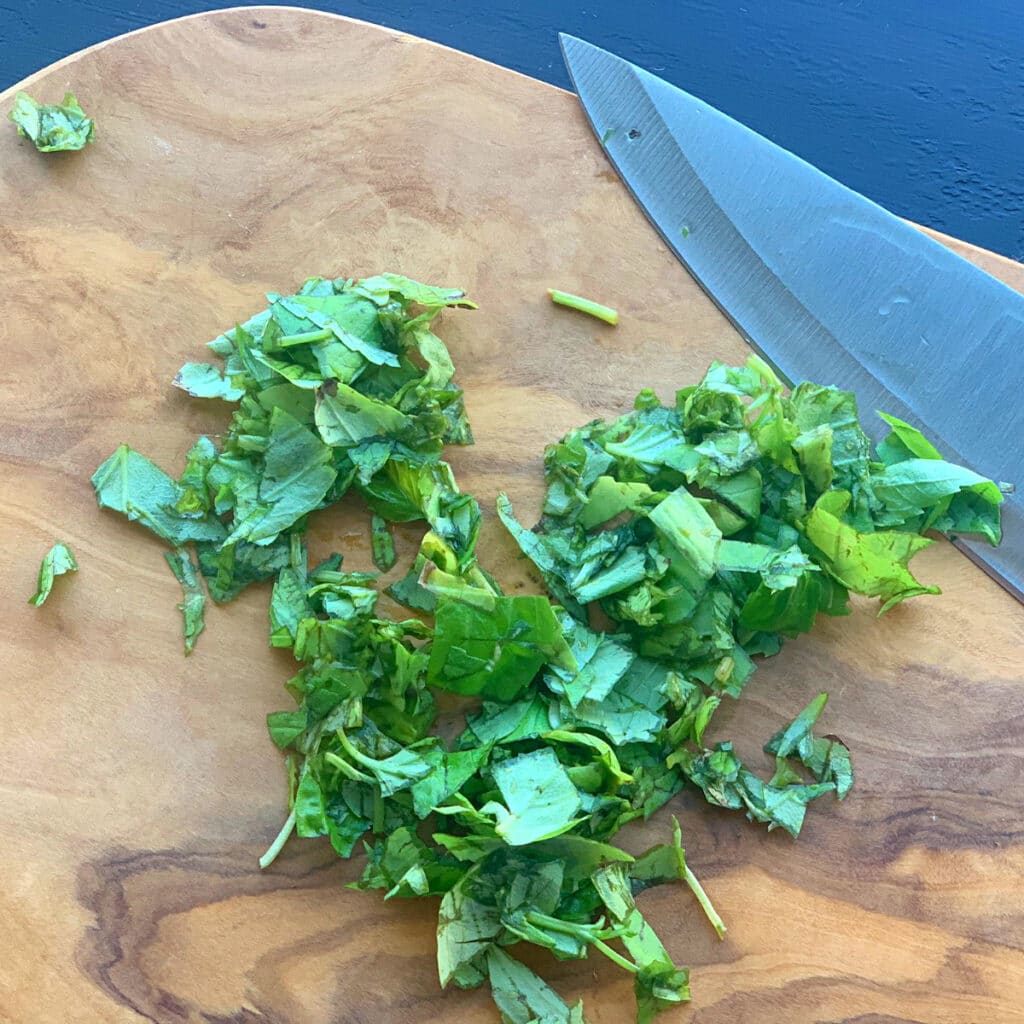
pixel 826 284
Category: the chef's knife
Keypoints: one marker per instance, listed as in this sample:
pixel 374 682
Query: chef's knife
pixel 827 285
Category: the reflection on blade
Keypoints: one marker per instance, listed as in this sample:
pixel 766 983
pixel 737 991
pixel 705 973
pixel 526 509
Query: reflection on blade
pixel 827 285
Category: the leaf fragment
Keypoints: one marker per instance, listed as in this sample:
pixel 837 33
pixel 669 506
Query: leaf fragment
pixel 194 600
pixel 52 127
pixel 56 562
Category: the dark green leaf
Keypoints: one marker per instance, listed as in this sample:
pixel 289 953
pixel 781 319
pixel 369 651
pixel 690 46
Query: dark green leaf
pixel 286 727
pixel 495 653
pixel 383 545
pixel 230 569
pixel 289 605
pixel 727 783
pixel 659 983
pixel 827 759
pixel 449 772
pixel 405 866
pixel 913 485
pixel 297 474
pixel 788 740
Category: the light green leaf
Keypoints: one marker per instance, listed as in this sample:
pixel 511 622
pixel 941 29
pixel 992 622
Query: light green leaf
pixel 466 929
pixel 741 491
pixel 201 380
pixel 422 294
pixel 523 998
pixel 780 570
pixel 344 417
pixel 873 564
pixel 916 484
pixel 814 450
pixel 605 755
pixel 508 723
pixel 655 444
pixel 601 661
pixel 129 483
pixel 681 519
pixel 194 600
pixel 52 127
pixel 540 800
pixel 608 498
pixel 57 561
pixel 904 442
pixel 352 320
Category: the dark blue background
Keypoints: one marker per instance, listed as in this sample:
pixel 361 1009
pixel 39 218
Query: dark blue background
pixel 919 104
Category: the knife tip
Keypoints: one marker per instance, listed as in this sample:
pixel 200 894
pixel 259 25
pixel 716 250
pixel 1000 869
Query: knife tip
pixel 568 42
pixel 574 51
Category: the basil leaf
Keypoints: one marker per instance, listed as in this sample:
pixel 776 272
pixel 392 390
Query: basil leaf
pixel 540 800
pixel 873 564
pixel 52 127
pixel 201 380
pixel 383 546
pixel 56 562
pixel 495 652
pixel 194 600
pixel 129 483
pixel 522 997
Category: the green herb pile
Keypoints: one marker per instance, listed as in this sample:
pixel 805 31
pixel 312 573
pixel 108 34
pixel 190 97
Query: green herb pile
pixel 52 127
pixel 708 531
pixel 701 534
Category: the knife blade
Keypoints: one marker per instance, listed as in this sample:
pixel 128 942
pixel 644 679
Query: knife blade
pixel 824 283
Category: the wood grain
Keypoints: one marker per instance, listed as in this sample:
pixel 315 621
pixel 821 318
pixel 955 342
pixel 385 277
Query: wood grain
pixel 243 151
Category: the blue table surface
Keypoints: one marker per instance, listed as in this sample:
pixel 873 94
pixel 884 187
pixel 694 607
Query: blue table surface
pixel 918 104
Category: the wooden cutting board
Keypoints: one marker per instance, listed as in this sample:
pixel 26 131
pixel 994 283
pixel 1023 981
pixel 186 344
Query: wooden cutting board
pixel 240 152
